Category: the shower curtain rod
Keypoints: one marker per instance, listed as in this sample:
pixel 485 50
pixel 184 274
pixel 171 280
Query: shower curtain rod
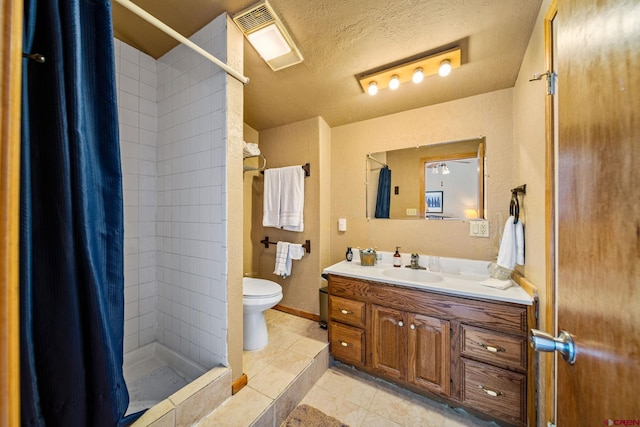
pixel 182 39
pixel 370 157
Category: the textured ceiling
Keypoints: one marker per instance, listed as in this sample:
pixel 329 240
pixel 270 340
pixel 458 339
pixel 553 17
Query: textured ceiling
pixel 341 39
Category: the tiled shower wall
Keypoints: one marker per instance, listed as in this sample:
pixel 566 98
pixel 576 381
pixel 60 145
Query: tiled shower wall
pixel 175 229
pixel 137 115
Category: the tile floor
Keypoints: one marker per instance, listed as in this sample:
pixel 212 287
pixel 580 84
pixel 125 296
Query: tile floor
pixel 352 397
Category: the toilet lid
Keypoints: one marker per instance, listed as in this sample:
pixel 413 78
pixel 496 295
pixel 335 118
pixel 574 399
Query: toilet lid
pixel 260 288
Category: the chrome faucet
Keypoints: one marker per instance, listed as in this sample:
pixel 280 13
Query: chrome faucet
pixel 415 258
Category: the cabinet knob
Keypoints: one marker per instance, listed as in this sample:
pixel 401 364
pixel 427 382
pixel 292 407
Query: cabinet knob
pixel 412 326
pixel 344 311
pixel 491 348
pixel 491 392
pixel 344 344
pixel 401 323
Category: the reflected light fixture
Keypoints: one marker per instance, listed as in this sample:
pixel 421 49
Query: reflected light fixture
pixel 266 33
pixel 445 169
pixel 411 69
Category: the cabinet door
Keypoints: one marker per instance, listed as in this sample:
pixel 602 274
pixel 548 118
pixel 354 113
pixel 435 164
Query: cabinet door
pixel 388 342
pixel 429 353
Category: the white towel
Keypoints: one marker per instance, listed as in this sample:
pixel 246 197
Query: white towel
pixel 519 243
pixel 296 251
pixel 282 256
pixel 271 205
pixel 507 252
pixel 292 198
pixel 497 284
pixel 250 150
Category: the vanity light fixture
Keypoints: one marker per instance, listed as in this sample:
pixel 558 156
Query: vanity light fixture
pixel 394 83
pixel 372 89
pixel 445 68
pixel 411 69
pixel 445 169
pixel 418 75
pixel 266 33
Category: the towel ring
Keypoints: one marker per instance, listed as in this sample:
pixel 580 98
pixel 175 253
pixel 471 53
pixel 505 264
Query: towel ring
pixel 514 207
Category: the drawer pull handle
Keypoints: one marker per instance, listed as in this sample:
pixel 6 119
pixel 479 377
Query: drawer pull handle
pixel 491 348
pixel 491 392
pixel 344 344
pixel 344 311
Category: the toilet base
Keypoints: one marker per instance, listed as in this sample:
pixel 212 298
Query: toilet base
pixel 255 331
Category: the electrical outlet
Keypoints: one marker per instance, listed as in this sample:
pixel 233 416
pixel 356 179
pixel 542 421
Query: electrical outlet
pixel 411 212
pixel 479 228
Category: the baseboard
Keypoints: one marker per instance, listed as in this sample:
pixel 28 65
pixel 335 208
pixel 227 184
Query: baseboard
pixel 299 313
pixel 238 384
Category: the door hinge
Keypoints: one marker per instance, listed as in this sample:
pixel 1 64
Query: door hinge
pixel 551 81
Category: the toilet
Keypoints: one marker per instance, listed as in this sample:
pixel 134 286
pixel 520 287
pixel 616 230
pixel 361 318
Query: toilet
pixel 258 295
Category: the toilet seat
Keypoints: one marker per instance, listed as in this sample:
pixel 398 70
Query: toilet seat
pixel 260 288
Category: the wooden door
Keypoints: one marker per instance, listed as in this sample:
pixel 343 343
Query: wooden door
pixel 388 342
pixel 429 353
pixel 598 287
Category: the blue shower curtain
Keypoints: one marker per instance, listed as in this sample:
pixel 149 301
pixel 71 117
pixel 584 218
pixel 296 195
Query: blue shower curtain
pixel 383 201
pixel 71 254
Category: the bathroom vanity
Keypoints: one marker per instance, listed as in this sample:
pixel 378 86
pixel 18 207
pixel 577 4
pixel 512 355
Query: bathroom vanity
pixel 441 334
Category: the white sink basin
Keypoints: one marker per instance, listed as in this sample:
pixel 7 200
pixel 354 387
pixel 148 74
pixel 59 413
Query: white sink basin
pixel 413 275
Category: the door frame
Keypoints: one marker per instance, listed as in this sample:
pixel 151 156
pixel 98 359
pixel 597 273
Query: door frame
pixel 549 379
pixel 10 99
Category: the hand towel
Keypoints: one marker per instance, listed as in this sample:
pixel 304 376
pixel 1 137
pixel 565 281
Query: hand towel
pixel 250 150
pixel 296 251
pixel 519 243
pixel 271 204
pixel 292 198
pixel 497 284
pixel 507 252
pixel 282 255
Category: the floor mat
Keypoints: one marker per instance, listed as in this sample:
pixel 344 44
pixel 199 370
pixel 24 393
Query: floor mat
pixel 308 416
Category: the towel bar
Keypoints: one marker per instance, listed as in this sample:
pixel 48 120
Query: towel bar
pixel 266 242
pixel 306 167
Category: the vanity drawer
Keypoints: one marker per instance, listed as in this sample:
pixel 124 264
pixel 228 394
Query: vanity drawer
pixel 495 391
pixel 493 347
pixel 347 343
pixel 347 311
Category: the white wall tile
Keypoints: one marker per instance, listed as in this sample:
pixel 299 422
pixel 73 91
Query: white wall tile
pixel 172 110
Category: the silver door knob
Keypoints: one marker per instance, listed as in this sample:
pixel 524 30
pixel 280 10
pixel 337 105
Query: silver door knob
pixel 563 344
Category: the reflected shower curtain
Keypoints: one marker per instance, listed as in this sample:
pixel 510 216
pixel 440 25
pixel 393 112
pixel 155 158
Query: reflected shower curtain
pixel 71 254
pixel 383 200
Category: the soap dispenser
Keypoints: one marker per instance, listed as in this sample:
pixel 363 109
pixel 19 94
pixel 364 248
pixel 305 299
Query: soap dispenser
pixel 397 259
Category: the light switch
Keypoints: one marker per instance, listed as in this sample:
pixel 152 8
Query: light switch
pixel 342 224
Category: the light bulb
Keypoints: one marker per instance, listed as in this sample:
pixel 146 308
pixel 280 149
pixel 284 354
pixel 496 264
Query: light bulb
pixel 418 75
pixel 372 89
pixel 394 83
pixel 445 68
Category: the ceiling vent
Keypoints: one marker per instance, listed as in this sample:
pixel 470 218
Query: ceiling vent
pixel 266 33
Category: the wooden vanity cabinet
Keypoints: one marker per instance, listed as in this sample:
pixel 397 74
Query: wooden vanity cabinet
pixel 468 352
pixel 411 347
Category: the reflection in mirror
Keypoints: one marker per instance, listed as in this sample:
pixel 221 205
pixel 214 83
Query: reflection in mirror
pixel 436 181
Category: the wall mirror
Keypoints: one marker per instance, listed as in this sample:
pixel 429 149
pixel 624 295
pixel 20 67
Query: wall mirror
pixel 435 181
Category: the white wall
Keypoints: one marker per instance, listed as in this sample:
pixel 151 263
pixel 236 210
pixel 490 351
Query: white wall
pixel 173 138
